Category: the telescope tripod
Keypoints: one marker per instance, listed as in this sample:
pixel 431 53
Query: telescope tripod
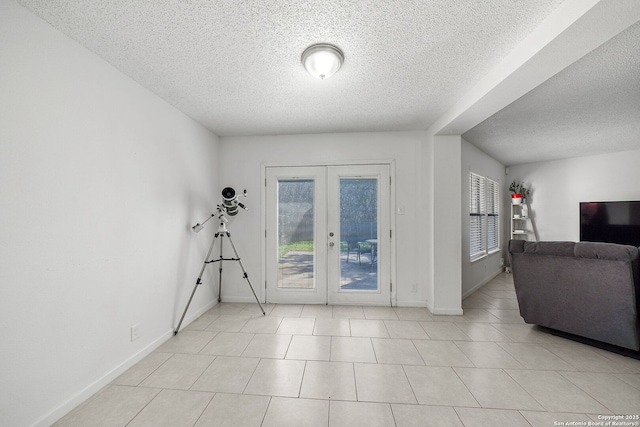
pixel 221 233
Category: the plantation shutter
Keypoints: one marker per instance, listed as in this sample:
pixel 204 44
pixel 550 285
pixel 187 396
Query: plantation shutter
pixel 476 215
pixel 493 210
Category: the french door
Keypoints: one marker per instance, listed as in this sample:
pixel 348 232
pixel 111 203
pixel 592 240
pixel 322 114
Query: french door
pixel 328 235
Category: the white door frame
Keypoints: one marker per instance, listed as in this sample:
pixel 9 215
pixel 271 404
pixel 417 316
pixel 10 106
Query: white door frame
pixel 392 217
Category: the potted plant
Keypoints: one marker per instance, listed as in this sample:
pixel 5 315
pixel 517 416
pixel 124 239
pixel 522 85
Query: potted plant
pixel 520 192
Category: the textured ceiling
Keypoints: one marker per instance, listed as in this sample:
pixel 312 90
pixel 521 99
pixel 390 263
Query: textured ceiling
pixel 234 65
pixel 591 107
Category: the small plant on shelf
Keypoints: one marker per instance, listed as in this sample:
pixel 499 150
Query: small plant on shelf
pixel 520 192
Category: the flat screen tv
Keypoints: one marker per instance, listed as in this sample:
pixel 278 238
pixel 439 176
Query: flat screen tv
pixel 612 222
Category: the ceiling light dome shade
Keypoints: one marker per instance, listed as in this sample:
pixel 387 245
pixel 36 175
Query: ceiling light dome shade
pixel 322 60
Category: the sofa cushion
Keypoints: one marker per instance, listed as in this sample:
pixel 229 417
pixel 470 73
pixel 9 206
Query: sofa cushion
pixel 550 248
pixel 605 251
pixel 592 250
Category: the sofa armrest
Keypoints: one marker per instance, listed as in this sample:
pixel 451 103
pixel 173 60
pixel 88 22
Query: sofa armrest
pixel 516 246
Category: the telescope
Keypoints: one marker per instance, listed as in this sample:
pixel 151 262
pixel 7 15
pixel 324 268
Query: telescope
pixel 230 201
pixel 229 205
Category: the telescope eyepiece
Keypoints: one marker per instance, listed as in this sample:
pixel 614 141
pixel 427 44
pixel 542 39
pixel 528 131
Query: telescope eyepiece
pixel 228 193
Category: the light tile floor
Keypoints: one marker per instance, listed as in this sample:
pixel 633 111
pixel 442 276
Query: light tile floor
pixel 368 366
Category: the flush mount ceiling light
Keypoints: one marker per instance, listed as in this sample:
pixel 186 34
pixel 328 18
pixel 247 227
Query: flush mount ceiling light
pixel 322 60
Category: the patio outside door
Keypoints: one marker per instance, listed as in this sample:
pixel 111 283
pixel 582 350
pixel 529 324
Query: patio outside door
pixel 328 234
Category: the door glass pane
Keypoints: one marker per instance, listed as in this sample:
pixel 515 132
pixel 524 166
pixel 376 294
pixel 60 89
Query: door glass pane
pixel 359 234
pixel 296 234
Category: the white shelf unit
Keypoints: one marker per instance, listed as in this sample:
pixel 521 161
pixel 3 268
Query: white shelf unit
pixel 521 223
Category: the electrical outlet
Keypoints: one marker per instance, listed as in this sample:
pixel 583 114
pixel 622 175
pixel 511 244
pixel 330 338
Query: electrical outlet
pixel 135 332
pixel 414 288
pixel 502 261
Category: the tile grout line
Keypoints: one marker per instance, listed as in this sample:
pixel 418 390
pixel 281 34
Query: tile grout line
pixel 205 408
pixel 143 408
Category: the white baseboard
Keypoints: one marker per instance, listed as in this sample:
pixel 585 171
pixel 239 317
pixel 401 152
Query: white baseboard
pixel 429 306
pixel 447 312
pixel 114 373
pixel 417 304
pixel 188 319
pixel 245 300
pixel 481 284
pixel 444 311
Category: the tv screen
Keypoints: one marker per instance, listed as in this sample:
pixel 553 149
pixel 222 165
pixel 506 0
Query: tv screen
pixel 612 222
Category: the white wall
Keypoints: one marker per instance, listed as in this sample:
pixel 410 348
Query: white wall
pixel 99 183
pixel 241 162
pixel 559 186
pixel 477 273
pixel 447 213
pixel 425 223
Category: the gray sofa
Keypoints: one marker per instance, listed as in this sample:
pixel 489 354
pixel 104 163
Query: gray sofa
pixel 591 290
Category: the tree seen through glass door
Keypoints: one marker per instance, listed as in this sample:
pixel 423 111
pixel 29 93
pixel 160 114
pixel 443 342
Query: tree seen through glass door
pixel 358 233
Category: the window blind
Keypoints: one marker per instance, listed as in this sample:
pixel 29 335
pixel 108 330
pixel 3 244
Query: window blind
pixel 476 213
pixel 493 210
pixel 484 216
